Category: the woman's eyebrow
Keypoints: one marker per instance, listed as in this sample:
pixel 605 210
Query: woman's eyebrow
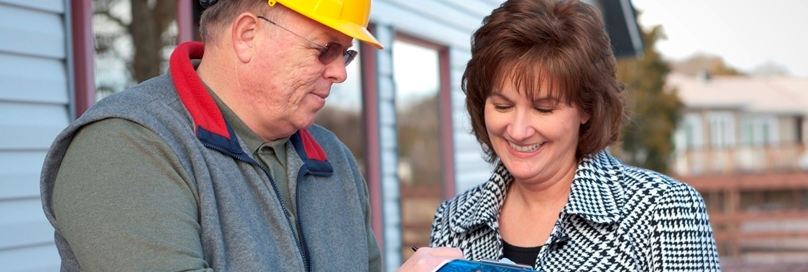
pixel 500 95
pixel 546 99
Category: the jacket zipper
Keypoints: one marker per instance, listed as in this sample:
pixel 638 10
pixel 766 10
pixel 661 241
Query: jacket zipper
pixel 301 247
pixel 299 227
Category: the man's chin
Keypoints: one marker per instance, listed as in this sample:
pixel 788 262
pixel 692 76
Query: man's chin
pixel 306 123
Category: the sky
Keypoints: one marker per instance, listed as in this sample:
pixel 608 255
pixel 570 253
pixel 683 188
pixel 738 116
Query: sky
pixel 744 33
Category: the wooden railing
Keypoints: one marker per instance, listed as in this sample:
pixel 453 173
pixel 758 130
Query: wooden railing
pixel 774 222
pixel 739 159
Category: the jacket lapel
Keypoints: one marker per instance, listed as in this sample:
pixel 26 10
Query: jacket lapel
pixel 482 206
pixel 597 194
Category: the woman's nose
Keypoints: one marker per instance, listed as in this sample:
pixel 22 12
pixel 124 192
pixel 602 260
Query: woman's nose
pixel 521 126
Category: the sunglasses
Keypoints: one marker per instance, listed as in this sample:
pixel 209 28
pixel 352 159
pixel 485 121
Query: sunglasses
pixel 328 52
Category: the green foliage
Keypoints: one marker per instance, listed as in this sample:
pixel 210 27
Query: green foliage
pixel 653 111
pixel 713 65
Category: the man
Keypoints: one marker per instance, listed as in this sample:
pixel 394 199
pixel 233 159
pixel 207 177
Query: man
pixel 216 165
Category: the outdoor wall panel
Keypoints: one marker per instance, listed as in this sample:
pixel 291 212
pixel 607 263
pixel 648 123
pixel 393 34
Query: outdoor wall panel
pixel 384 59
pixel 32 32
pixel 386 90
pixel 32 79
pixel 54 6
pixel 390 167
pixel 462 120
pixel 19 176
pixel 471 157
pixel 387 116
pixel 470 167
pixel 34 108
pixel 388 134
pixel 420 25
pixel 23 223
pixel 23 234
pixel 476 8
pixel 47 258
pixel 434 13
pixel 460 56
pixel 30 126
pixel 388 149
pixel 473 178
pixel 459 106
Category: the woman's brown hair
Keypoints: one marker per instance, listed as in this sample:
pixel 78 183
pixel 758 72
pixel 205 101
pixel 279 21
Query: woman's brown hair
pixel 539 43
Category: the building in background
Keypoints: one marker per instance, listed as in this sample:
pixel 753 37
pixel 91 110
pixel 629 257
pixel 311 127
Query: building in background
pixel 742 144
pixel 47 80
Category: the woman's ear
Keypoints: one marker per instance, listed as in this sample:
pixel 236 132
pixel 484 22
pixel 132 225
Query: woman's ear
pixel 584 117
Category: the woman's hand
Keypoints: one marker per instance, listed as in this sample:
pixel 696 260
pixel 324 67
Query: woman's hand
pixel 426 259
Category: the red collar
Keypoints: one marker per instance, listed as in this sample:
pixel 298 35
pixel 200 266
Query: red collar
pixel 209 124
pixel 191 91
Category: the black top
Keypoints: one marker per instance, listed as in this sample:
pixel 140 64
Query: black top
pixel 520 255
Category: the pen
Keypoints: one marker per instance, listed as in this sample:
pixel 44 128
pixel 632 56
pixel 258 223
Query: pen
pixel 414 248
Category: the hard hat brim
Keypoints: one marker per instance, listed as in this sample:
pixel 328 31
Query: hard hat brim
pixel 353 30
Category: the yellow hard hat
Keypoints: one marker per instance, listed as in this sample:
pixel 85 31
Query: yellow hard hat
pixel 347 16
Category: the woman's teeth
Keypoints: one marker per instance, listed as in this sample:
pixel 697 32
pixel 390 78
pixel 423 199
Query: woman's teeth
pixel 529 148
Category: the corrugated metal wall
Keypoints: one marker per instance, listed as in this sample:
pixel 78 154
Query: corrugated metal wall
pixel 34 105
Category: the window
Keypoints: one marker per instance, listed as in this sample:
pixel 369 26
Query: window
pixel 693 131
pixel 420 72
pixel 342 113
pixel 722 130
pixel 417 85
pixel 759 130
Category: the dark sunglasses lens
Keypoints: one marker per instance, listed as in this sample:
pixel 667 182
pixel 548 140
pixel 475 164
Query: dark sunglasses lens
pixel 349 56
pixel 330 52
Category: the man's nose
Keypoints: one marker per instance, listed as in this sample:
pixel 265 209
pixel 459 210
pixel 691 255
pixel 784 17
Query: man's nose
pixel 335 71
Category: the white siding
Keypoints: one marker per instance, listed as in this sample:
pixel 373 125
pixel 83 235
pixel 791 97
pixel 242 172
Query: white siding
pixel 445 22
pixel 33 109
pixel 449 23
pixel 391 213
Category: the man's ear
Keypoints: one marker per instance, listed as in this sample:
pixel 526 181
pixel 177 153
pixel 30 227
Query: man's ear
pixel 243 34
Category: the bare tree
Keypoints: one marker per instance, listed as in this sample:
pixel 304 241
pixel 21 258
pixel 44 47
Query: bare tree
pixel 145 23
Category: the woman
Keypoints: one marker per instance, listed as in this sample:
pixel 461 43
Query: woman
pixel 544 102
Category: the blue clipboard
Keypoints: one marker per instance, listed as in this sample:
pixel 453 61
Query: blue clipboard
pixel 481 266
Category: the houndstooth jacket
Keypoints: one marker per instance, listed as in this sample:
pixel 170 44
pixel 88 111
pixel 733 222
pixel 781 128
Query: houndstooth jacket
pixel 617 218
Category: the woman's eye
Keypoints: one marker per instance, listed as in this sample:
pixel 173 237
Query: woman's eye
pixel 501 107
pixel 543 110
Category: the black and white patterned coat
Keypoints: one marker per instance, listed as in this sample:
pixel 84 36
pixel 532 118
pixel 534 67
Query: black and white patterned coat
pixel 618 218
